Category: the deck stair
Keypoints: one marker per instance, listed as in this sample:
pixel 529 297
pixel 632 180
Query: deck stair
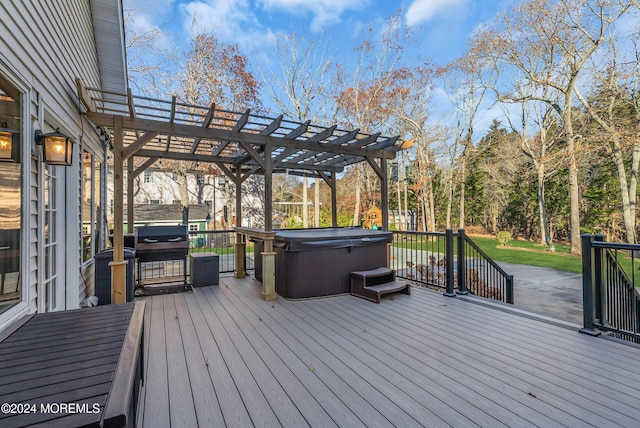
pixel 372 284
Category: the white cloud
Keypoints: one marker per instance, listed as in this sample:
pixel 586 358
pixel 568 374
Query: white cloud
pixel 420 11
pixel 326 12
pixel 229 20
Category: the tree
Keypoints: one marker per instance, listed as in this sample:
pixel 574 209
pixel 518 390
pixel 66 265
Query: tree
pixel 610 108
pixel 362 99
pixel 562 36
pixel 468 79
pixel 411 105
pixel 299 89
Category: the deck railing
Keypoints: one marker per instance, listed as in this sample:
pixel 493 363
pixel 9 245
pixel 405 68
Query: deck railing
pixel 222 242
pixel 611 300
pixel 450 261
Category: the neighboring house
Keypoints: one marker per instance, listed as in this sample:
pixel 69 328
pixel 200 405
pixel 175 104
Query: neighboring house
pixel 160 187
pixel 157 215
pixel 46 264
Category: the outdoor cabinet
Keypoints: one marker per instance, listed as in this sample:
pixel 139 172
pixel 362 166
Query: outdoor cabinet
pixel 204 269
pixel 102 275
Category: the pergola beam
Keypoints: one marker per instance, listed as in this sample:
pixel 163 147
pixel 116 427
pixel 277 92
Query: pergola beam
pixel 139 170
pixel 132 148
pixel 183 156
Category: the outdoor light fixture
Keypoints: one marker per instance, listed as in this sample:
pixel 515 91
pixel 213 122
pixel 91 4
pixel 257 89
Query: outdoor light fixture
pixel 9 147
pixel 57 148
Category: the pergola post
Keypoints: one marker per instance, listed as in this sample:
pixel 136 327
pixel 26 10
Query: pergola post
pixel 118 265
pixel 130 194
pixel 241 249
pixel 334 200
pixel 268 255
pixel 384 194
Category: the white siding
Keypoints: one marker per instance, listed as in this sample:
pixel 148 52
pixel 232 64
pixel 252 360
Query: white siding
pixel 48 44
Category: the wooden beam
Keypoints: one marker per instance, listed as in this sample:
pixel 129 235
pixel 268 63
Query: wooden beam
pixel 384 191
pixel 299 130
pixel 84 96
pixel 118 271
pixel 268 130
pixel 172 117
pixel 273 126
pixel 314 139
pixel 145 153
pixel 268 188
pixel 375 166
pixel 241 123
pixel 254 154
pixel 130 194
pixel 144 166
pixel 344 139
pixel 226 171
pixel 205 124
pixel 236 128
pixel 330 179
pixel 140 124
pixel 249 173
pixel 132 148
pixel 310 167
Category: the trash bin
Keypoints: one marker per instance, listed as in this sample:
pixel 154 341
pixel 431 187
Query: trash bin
pixel 102 275
pixel 204 269
pixel 258 248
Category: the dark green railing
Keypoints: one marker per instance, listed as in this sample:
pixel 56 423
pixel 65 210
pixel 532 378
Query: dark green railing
pixel 449 261
pixel 611 301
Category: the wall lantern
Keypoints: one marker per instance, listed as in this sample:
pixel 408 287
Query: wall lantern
pixel 57 148
pixel 9 144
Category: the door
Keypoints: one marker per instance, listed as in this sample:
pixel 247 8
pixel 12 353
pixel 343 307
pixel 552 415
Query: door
pixel 51 290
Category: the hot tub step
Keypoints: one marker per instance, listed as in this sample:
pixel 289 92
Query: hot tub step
pixel 372 284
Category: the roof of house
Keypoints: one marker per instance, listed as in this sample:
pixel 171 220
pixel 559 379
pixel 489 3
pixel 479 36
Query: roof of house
pixel 108 27
pixel 167 212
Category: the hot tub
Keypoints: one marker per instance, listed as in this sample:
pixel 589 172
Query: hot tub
pixel 318 262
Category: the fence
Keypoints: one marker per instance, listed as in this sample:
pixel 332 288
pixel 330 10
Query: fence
pixel 449 261
pixel 611 301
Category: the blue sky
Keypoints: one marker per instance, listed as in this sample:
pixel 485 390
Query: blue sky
pixel 443 26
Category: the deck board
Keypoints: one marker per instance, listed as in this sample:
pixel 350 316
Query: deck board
pixel 182 410
pixel 221 356
pixel 296 392
pixel 156 381
pixel 205 401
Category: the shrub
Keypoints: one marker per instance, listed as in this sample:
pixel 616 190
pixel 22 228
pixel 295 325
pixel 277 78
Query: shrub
pixel 503 238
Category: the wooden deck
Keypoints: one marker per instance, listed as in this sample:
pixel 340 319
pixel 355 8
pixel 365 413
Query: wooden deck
pixel 221 356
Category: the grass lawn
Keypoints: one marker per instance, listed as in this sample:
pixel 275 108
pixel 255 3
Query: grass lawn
pixel 530 253
pixel 519 252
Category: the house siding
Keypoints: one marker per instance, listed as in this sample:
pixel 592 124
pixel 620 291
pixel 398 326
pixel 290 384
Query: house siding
pixel 47 45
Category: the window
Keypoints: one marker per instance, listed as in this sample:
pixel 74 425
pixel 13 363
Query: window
pixel 177 202
pixel 10 203
pixel 90 205
pixel 200 179
pixel 174 176
pixel 154 202
pixel 148 176
pixel 111 206
pixel 193 227
pixel 209 203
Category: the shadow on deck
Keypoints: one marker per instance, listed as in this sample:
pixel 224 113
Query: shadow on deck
pixel 221 356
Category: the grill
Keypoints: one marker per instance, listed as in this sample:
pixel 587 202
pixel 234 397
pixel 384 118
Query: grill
pixel 162 243
pixel 159 243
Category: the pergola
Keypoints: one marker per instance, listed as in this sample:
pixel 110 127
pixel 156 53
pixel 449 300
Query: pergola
pixel 238 143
